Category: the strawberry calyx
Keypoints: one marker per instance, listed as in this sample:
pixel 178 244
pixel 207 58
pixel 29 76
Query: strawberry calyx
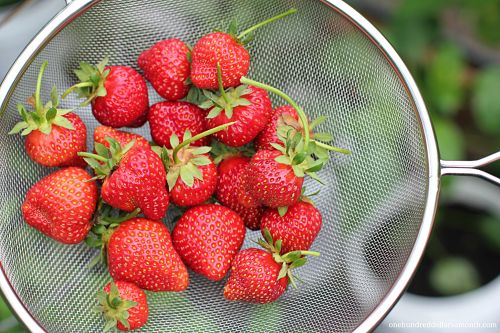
pixel 183 160
pixel 107 159
pixel 301 150
pixel 113 307
pixel 247 35
pixel 221 151
pixel 92 78
pixel 45 115
pixel 288 261
pixel 225 100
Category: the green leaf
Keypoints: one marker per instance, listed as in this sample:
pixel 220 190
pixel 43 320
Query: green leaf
pixel 93 242
pixel 19 127
pixel 278 245
pixel 102 64
pixel 101 91
pixel 81 75
pixel 174 140
pixel 298 171
pixel 51 114
pixel 45 129
pixel 187 177
pixel 283 271
pixel 206 104
pixel 318 121
pixel 195 171
pixel 214 112
pixel 244 102
pixel 172 176
pixel 299 158
pixel 63 122
pixel 233 27
pixel 54 97
pixel 187 135
pixel 282 210
pixel 315 166
pixel 27 131
pixel 283 159
pixel 326 137
pixel 267 236
pixel 486 100
pixel 299 262
pixel 314 176
pixel 201 150
pixel 101 150
pixel 278 147
pixel 201 160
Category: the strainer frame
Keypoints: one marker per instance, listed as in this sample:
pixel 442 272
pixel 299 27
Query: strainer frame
pixel 78 7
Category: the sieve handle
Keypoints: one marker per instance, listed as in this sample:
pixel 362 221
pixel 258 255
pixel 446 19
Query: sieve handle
pixel 470 168
pixel 68 1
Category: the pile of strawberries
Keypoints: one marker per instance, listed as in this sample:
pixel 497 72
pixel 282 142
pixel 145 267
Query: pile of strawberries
pixel 221 158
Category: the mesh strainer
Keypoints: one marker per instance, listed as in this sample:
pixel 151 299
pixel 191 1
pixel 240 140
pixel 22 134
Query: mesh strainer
pixel 378 203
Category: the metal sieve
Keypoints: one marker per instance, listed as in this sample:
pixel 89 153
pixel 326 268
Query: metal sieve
pixel 378 203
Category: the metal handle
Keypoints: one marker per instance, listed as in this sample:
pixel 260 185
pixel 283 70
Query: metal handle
pixel 469 168
pixel 68 2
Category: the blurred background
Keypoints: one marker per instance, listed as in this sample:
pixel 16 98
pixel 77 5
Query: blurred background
pixel 452 48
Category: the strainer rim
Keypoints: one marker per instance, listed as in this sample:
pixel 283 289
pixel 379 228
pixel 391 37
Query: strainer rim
pixel 78 7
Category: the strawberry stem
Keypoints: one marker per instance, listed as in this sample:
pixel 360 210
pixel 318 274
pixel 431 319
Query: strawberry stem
pixel 76 86
pixel 272 19
pixel 221 85
pixel 300 112
pixel 94 156
pixel 198 137
pixel 338 150
pixel 38 102
pixel 310 253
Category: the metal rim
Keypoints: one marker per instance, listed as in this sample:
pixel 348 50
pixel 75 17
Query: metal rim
pixel 77 7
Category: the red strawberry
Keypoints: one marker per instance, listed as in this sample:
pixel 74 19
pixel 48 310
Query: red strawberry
pixel 283 115
pixel 123 138
pixel 223 48
pixel 228 50
pixel 167 118
pixel 254 278
pixel 140 251
pixel 123 305
pixel 166 65
pixel 119 98
pixel 249 107
pixel 53 136
pixel 133 177
pixel 272 183
pixel 207 238
pixel 259 276
pixel 297 229
pixel 233 194
pixel 61 205
pixel 192 174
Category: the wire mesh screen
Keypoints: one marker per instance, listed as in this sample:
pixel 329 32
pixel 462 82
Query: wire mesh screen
pixel 372 202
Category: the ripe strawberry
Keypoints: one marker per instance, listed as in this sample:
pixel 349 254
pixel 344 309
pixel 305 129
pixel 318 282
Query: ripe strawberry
pixel 123 305
pixel 297 229
pixel 53 136
pixel 123 138
pixel 232 193
pixel 166 65
pixel 262 276
pixel 133 177
pixel 207 238
pixel 272 183
pixel 249 107
pixel 118 94
pixel 140 251
pixel 61 205
pixel 167 118
pixel 192 174
pixel 228 50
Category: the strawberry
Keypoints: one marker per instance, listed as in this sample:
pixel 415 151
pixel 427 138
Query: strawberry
pixel 167 118
pixel 133 177
pixel 123 138
pixel 262 276
pixel 53 136
pixel 273 183
pixel 140 251
pixel 61 205
pixel 123 305
pixel 192 174
pixel 247 106
pixel 207 238
pixel 228 49
pixel 231 191
pixel 118 94
pixel 297 228
pixel 166 65
pixel 275 177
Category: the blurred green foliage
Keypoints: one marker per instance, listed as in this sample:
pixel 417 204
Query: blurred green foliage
pixel 452 48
